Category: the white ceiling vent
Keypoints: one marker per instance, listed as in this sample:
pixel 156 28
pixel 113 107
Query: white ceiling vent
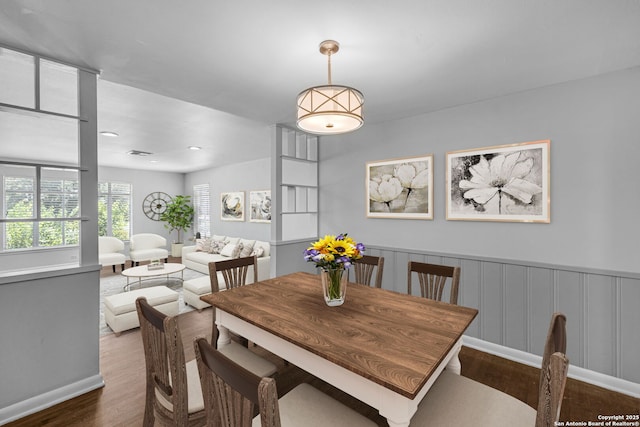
pixel 139 153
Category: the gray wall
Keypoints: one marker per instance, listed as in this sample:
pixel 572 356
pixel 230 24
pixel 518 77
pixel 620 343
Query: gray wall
pixel 594 131
pixel 246 176
pixel 588 255
pixel 49 335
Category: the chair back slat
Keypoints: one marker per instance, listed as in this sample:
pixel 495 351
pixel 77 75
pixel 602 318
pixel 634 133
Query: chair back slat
pixel 365 267
pixel 432 279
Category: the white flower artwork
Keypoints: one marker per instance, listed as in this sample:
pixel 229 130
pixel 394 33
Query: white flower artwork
pixel 400 188
pixel 501 183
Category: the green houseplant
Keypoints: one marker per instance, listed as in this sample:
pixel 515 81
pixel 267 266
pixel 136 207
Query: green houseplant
pixel 178 216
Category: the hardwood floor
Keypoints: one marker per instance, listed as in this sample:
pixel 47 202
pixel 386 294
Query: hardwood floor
pixel 121 401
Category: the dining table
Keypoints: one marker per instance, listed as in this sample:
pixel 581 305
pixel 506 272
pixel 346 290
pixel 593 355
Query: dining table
pixel 382 347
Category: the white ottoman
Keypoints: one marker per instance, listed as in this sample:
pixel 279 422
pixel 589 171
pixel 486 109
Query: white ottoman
pixel 120 309
pixel 193 289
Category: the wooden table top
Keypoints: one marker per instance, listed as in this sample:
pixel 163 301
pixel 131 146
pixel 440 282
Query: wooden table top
pixel 393 339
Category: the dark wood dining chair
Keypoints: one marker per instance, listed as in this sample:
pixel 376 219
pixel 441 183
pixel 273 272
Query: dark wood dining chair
pixel 233 396
pixel 454 400
pixel 433 280
pixel 364 268
pixel 234 273
pixel 173 393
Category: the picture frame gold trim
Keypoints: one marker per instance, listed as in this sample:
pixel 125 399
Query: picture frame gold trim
pixel 232 206
pixel 400 188
pixel 503 183
pixel 260 206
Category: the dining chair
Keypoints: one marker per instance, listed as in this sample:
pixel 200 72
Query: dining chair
pixel 234 273
pixel 364 267
pixel 233 395
pixel 455 400
pixel 433 280
pixel 173 392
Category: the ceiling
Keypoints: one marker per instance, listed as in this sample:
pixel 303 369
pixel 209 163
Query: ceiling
pixel 180 73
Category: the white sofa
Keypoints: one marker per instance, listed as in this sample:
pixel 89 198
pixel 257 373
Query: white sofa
pixel 198 258
pixel 147 246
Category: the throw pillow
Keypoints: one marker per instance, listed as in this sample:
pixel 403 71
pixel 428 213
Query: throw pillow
pixel 247 247
pixel 203 245
pixel 258 251
pixel 228 250
pixel 217 245
pixel 237 250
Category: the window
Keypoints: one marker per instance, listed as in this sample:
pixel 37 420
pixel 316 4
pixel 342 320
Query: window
pixel 40 207
pixel 47 112
pixel 114 209
pixel 202 223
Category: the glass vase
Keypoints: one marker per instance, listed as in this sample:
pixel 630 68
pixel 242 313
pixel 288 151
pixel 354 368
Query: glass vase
pixel 334 286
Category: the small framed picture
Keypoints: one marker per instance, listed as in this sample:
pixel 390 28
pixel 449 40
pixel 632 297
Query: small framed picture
pixel 260 206
pixel 501 183
pixel 232 206
pixel 400 188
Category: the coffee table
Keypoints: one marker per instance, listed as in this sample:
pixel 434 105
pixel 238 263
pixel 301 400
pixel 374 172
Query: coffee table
pixel 142 272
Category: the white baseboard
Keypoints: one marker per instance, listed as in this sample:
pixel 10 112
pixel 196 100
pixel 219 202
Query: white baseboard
pixel 588 376
pixel 48 399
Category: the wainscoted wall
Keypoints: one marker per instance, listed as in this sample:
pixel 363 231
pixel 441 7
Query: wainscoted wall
pixel 515 300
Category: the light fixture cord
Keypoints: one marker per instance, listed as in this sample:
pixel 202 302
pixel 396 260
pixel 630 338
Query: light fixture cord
pixel 329 66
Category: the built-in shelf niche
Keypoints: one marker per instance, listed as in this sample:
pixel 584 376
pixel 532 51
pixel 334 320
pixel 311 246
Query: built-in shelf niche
pixel 298 163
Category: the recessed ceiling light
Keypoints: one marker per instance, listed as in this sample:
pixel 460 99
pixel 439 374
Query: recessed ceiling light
pixel 109 133
pixel 153 161
pixel 194 148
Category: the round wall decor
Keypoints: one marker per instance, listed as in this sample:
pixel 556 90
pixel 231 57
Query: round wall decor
pixel 155 204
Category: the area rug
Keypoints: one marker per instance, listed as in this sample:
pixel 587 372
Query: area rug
pixel 114 284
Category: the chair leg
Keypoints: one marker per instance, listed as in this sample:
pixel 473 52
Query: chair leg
pixel 114 268
pixel 122 267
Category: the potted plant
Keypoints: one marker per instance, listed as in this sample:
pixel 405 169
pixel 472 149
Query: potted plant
pixel 178 216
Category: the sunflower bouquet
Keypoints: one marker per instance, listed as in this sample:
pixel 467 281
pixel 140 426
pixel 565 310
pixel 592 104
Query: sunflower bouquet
pixel 334 252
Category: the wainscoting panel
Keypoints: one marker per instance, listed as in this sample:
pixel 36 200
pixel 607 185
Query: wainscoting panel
pixel 515 316
pixel 516 299
pixel 601 324
pixel 571 300
pixel 629 329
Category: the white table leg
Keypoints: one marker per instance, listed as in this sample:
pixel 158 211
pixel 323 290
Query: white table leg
pixel 223 335
pixel 454 364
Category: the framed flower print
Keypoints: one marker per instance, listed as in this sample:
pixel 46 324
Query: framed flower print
pixel 400 188
pixel 500 183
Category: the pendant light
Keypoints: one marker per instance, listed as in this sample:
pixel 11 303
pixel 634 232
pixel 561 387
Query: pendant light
pixel 330 109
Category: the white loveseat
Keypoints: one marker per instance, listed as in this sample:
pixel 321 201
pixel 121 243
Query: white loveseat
pixel 199 256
